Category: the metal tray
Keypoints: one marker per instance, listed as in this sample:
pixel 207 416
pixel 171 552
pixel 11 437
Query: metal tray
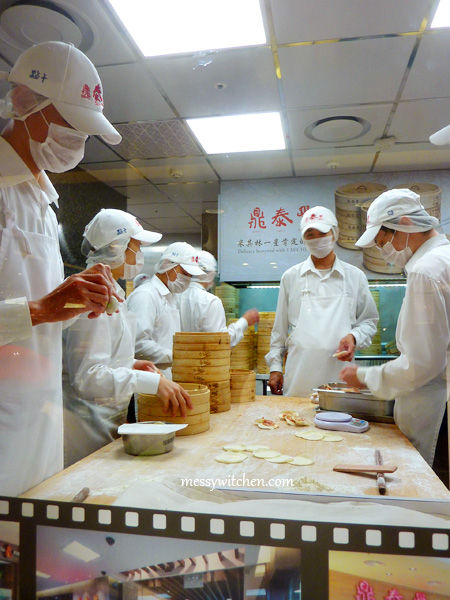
pixel 362 404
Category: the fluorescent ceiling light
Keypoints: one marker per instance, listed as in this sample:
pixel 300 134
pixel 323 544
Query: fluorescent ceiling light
pixel 178 26
pixel 442 15
pixel 43 575
pixel 81 552
pixel 255 593
pixel 239 133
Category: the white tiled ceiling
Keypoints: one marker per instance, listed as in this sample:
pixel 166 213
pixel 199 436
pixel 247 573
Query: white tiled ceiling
pixel 371 59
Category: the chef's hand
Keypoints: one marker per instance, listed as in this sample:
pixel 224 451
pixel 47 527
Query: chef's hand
pixel 173 397
pixel 276 383
pixel 348 374
pixel 348 345
pixel 88 291
pixel 251 316
pixel 145 365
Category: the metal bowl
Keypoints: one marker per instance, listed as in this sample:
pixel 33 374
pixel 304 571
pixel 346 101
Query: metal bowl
pixel 148 438
pixel 361 404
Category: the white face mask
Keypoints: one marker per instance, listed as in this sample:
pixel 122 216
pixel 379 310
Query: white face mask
pixel 396 257
pixel 320 247
pixel 130 271
pixel 61 151
pixel 180 284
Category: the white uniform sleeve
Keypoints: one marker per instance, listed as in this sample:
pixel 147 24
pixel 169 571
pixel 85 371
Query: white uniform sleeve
pixel 15 321
pixel 237 330
pixel 366 315
pixel 422 338
pixel 88 350
pixel 214 320
pixel 144 305
pixel 278 348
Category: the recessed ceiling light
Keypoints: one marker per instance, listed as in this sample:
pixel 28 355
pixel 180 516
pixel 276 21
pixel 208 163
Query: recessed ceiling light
pixel 442 15
pixel 239 133
pixel 177 26
pixel 337 129
pixel 245 264
pixel 81 552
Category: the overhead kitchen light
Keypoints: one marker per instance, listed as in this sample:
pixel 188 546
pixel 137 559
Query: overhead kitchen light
pixel 81 552
pixel 239 133
pixel 43 575
pixel 442 15
pixel 177 26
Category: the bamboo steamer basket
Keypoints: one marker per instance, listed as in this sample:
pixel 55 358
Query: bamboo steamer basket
pixel 196 337
pixel 220 396
pixel 242 385
pixel 151 408
pixel 243 354
pixel 266 321
pixel 201 374
pixel 348 199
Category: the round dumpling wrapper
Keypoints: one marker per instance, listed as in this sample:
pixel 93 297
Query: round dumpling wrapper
pixel 265 453
pixel 282 458
pixel 310 435
pixel 301 461
pixel 231 457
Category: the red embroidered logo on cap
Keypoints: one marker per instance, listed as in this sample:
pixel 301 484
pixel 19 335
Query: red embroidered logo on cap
pixel 195 259
pixel 86 92
pixel 97 95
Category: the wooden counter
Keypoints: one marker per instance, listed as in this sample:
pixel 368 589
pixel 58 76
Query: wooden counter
pixel 110 471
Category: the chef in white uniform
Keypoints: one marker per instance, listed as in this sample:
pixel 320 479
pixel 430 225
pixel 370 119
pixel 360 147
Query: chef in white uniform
pixel 51 116
pixel 324 306
pixel 100 372
pixel 156 308
pixel 202 311
pixel 405 233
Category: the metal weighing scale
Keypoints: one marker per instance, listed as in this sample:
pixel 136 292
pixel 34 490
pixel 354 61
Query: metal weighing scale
pixel 340 422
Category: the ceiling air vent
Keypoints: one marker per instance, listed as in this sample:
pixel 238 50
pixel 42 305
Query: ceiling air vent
pixel 337 129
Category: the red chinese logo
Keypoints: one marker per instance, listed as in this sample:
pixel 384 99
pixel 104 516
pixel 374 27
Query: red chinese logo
pixel 302 210
pixel 280 218
pixel 364 591
pixel 86 92
pixel 419 596
pixel 97 95
pixel 393 594
pixel 257 219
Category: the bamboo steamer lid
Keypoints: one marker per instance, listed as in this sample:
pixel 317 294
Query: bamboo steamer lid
pixel 430 196
pixel 150 407
pixel 195 337
pixel 348 199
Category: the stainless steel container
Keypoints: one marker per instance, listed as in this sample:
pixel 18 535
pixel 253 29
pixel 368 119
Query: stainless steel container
pixel 362 404
pixel 148 438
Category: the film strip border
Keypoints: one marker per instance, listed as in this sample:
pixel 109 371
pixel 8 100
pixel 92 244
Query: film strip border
pixel 315 540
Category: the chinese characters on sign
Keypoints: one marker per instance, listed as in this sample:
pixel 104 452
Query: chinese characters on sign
pixel 257 219
pixel 364 591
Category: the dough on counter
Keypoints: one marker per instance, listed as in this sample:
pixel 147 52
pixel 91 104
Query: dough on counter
pixel 310 435
pixel 265 453
pixel 254 447
pixel 234 448
pixel 332 437
pixel 301 461
pixel 282 458
pixel 266 423
pixel 231 457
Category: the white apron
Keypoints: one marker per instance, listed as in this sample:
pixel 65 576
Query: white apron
pixel 323 321
pixel 31 430
pixel 419 413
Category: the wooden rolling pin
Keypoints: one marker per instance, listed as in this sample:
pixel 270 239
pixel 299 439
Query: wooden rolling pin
pixel 365 468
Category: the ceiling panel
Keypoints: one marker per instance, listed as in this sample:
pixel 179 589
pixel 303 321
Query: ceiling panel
pixel 151 210
pixel 248 76
pixel 332 162
pixel 115 174
pixel 179 225
pixel 344 73
pixel 253 165
pixel 299 120
pixel 191 168
pixel 415 121
pixel 191 192
pixel 429 72
pixel 141 194
pixel 156 139
pixel 413 157
pixel 300 20
pixel 130 94
pixel 96 151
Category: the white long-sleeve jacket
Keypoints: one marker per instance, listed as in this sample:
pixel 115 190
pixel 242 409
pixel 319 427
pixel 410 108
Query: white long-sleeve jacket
pixel 202 311
pixel 362 309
